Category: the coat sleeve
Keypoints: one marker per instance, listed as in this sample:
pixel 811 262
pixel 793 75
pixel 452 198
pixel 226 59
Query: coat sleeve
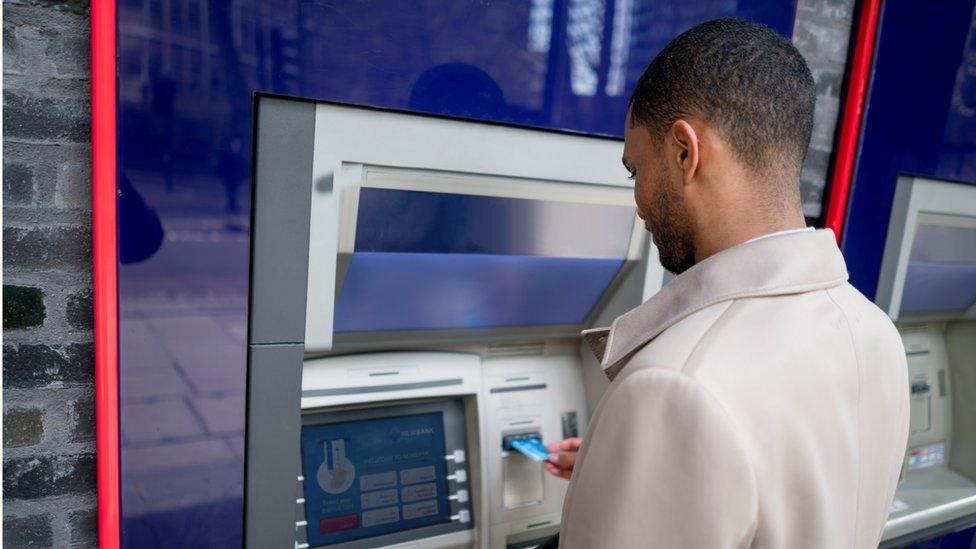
pixel 661 466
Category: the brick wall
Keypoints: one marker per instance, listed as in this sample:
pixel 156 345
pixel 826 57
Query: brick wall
pixel 48 393
pixel 48 431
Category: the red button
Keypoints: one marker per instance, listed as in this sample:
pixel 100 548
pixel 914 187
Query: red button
pixel 330 525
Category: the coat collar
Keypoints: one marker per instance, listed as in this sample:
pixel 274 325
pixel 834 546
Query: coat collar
pixel 784 264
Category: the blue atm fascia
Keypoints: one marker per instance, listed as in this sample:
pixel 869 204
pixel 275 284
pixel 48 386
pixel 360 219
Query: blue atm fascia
pixel 187 77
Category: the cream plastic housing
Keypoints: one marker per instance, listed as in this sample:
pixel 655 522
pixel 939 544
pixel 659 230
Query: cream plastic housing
pixel 503 394
pixel 527 394
pixel 937 487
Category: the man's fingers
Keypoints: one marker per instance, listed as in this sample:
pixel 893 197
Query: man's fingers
pixel 567 445
pixel 562 457
pixel 563 460
pixel 552 468
pixel 564 473
pixel 557 472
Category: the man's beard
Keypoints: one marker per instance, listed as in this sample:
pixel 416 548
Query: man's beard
pixel 669 223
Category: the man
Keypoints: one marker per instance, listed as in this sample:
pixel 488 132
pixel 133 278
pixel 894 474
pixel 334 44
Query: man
pixel 758 400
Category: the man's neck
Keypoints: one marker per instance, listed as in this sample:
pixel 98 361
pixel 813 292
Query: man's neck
pixel 741 229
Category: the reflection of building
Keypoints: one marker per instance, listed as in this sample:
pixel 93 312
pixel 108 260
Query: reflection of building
pixel 491 38
pixel 182 40
pixel 657 23
pixel 176 52
pixel 174 49
pixel 584 34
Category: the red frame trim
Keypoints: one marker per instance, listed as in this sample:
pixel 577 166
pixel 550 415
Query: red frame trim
pixel 105 263
pixel 104 229
pixel 850 133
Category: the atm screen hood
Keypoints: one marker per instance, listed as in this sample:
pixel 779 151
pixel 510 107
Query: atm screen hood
pixel 929 267
pixel 444 261
pixel 941 273
pixel 427 230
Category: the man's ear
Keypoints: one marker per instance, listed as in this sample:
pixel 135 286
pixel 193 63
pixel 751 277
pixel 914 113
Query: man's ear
pixel 686 150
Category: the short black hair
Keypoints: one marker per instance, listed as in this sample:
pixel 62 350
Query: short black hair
pixel 747 81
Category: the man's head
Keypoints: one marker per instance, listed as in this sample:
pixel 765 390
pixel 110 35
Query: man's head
pixel 716 133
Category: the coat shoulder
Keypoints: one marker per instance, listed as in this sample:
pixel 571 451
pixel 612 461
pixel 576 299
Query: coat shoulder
pixel 672 348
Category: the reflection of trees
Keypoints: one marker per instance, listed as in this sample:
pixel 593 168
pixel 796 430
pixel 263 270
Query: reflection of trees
pixel 374 52
pixel 565 63
pixel 203 60
pixel 231 163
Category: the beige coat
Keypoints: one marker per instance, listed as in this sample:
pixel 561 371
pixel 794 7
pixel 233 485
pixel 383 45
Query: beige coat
pixel 757 401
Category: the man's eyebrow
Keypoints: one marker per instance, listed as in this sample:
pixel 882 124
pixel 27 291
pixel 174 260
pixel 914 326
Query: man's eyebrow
pixel 626 164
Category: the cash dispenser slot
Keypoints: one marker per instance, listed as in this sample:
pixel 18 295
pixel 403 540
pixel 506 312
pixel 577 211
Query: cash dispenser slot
pixel 522 478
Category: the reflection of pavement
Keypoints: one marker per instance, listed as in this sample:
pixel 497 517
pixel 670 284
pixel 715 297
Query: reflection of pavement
pixel 183 354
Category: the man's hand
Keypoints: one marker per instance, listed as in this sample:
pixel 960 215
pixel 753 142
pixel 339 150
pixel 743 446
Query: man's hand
pixel 562 457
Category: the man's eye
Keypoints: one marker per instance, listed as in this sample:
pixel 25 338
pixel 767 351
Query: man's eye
pixel 633 176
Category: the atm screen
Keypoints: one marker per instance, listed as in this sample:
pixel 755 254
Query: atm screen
pixel 941 273
pixel 442 261
pixel 371 477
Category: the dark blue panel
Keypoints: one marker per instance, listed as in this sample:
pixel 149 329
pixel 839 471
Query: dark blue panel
pixel 919 119
pixel 396 291
pixel 188 72
pixel 964 539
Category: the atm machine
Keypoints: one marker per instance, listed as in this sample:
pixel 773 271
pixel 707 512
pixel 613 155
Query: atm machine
pixel 928 287
pixel 418 285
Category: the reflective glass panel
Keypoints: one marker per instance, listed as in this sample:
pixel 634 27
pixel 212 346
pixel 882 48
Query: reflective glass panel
pixel 941 275
pixel 440 261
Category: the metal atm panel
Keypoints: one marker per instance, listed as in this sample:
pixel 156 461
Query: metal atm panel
pixel 928 287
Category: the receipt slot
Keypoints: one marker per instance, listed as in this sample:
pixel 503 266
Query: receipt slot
pixel 418 285
pixel 928 287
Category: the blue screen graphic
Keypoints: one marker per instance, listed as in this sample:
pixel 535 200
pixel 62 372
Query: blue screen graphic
pixel 372 477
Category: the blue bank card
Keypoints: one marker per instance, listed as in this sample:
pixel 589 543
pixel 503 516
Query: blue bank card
pixel 532 448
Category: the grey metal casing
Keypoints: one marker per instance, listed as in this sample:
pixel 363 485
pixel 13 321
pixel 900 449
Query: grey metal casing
pixel 280 227
pixel 271 442
pixel 307 156
pixel 276 318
